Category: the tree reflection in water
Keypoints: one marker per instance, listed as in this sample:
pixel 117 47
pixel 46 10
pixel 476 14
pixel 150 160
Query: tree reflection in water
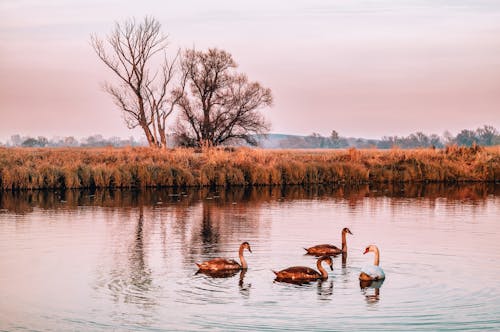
pixel 131 282
pixel 140 275
pixel 209 234
pixel 21 202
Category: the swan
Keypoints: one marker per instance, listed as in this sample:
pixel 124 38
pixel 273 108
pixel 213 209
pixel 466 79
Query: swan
pixel 372 272
pixel 222 264
pixel 300 274
pixel 328 249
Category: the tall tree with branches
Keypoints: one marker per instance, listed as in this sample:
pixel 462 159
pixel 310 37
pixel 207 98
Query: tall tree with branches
pixel 146 96
pixel 220 105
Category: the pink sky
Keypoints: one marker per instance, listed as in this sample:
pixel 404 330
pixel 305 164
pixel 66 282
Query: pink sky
pixel 364 68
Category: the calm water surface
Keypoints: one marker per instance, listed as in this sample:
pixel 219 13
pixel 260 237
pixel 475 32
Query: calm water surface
pixel 124 260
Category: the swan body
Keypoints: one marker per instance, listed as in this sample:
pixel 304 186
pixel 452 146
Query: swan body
pixel 223 264
pixel 300 274
pixel 329 249
pixel 323 249
pixel 373 271
pixel 220 264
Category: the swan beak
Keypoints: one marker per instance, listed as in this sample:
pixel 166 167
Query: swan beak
pixel 249 249
pixel 348 231
pixel 331 267
pixel 366 250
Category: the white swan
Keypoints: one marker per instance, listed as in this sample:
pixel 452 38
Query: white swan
pixel 372 272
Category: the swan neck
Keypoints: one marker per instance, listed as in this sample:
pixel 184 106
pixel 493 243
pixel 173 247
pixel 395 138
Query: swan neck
pixel 344 242
pixel 377 257
pixel 324 274
pixel 242 259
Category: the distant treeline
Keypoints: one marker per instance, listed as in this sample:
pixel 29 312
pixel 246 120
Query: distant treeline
pixel 483 136
pixel 64 168
pixel 71 141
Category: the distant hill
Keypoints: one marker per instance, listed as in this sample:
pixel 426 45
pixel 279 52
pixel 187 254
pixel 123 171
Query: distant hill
pixel 274 141
pixel 286 141
pixel 484 136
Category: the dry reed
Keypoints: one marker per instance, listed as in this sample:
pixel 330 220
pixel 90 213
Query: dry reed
pixel 57 168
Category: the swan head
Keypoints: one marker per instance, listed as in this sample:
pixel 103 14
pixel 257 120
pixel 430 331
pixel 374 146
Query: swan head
pixel 246 245
pixel 370 248
pixel 347 230
pixel 328 260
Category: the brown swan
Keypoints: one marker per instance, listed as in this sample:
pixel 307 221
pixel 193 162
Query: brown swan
pixel 302 274
pixel 223 264
pixel 328 249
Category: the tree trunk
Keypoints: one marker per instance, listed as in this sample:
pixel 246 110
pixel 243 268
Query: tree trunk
pixel 151 140
pixel 163 138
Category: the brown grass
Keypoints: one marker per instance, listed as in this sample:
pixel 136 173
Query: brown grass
pixel 54 168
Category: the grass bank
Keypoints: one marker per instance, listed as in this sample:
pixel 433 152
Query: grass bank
pixel 58 168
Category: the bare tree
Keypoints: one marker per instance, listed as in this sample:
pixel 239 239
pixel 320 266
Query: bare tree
pixel 221 105
pixel 487 135
pixel 146 96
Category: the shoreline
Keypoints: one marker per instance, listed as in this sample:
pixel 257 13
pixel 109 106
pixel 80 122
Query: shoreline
pixel 128 168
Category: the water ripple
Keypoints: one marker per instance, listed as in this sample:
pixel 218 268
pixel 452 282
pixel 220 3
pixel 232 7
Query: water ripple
pixel 132 267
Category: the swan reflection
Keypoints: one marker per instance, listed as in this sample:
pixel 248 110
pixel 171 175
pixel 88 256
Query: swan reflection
pixel 243 286
pixel 218 274
pixel 325 289
pixel 367 285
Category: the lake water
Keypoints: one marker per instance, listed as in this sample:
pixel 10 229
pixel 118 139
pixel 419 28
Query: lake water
pixel 125 260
